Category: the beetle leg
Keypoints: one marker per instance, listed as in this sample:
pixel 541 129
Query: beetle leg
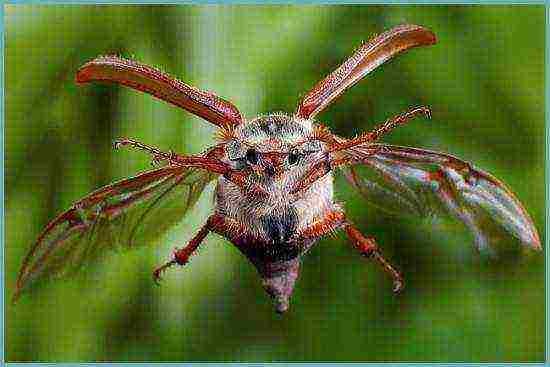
pixel 369 248
pixel 397 120
pixel 211 164
pixel 315 172
pixel 181 256
pixel 383 129
pixel 158 155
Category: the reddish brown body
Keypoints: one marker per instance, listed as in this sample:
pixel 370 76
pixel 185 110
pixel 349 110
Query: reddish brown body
pixel 274 191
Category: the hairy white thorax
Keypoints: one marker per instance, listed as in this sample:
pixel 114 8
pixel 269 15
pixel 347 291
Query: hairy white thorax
pixel 256 213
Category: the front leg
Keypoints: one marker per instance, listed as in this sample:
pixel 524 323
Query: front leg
pixel 369 248
pixel 181 256
pixel 158 155
pixel 209 162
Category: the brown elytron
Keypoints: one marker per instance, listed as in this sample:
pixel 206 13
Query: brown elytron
pixel 274 189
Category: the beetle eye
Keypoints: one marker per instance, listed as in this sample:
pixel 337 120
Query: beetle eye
pixel 293 157
pixel 251 156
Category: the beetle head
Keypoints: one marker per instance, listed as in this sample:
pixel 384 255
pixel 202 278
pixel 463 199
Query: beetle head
pixel 275 150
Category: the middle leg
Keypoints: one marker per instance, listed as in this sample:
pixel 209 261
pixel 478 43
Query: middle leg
pixel 369 248
pixel 181 256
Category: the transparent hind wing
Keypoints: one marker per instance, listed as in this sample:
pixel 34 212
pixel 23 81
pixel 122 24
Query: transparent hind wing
pixel 125 214
pixel 421 183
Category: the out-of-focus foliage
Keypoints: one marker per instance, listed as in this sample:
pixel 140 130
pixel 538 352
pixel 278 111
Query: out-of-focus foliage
pixel 484 81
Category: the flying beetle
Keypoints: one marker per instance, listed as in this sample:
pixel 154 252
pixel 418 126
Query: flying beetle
pixel 274 181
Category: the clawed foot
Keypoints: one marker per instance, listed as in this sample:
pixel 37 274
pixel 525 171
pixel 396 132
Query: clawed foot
pixel 158 271
pixel 119 143
pixel 180 257
pixel 398 285
pixel 371 251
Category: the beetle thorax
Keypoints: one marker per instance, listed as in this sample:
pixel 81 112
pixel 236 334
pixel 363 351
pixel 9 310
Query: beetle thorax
pixel 276 153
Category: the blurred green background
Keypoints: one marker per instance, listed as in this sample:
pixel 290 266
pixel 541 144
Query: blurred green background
pixel 484 81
